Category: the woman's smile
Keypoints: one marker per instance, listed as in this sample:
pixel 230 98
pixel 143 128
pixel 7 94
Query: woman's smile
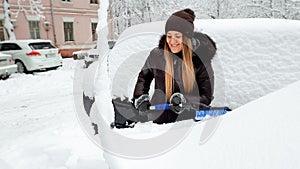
pixel 174 40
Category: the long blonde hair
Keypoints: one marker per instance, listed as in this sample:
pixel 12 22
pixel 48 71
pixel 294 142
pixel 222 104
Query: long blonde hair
pixel 188 73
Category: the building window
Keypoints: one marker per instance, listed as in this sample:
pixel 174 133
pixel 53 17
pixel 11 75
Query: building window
pixel 94 32
pixel 66 0
pixel 68 29
pixel 93 1
pixel 34 27
pixel 1 31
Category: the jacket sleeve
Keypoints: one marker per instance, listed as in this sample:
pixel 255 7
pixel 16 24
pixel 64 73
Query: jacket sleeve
pixel 145 78
pixel 205 50
pixel 205 83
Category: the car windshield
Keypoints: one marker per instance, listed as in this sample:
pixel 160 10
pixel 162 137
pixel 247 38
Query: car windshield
pixel 41 45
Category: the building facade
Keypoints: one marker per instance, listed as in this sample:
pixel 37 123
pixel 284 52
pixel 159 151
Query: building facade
pixel 69 24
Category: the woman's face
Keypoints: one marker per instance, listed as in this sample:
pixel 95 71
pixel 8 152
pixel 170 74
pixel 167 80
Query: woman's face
pixel 174 40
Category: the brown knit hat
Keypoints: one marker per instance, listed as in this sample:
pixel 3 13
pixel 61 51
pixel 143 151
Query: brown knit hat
pixel 181 21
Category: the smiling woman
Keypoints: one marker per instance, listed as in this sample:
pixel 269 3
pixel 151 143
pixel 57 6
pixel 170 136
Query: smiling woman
pixel 178 70
pixel 174 40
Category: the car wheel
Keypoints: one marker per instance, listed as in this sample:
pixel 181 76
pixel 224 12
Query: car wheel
pixel 21 68
pixel 75 57
pixel 5 77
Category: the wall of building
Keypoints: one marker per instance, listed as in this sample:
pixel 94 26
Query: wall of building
pixel 81 12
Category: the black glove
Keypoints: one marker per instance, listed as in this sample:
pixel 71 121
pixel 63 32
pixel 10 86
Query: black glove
pixel 142 103
pixel 178 102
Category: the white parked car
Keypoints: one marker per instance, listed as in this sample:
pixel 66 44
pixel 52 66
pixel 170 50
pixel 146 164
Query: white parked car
pixel 33 54
pixel 7 66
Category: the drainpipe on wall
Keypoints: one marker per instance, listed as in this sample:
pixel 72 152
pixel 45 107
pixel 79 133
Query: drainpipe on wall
pixel 53 25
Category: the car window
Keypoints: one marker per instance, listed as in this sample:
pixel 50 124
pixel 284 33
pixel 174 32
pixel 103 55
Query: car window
pixel 9 46
pixel 41 45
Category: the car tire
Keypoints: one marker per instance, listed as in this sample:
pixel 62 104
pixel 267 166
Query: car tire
pixel 75 57
pixel 4 77
pixel 21 68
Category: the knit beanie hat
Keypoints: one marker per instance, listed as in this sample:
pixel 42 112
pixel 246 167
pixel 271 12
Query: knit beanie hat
pixel 181 21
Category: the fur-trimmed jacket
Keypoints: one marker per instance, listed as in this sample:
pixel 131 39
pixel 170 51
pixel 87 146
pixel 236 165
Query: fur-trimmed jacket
pixel 204 49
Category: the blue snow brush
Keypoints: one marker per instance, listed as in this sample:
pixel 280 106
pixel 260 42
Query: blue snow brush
pixel 126 116
pixel 205 112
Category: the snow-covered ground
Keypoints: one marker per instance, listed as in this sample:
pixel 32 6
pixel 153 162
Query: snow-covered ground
pixel 39 128
pixel 38 124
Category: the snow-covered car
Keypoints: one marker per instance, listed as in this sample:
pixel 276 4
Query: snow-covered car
pixel 126 59
pixel 33 54
pixel 7 66
pixel 91 55
pixel 79 55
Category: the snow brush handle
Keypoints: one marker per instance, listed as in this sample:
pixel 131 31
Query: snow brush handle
pixel 206 112
pixel 205 107
pixel 160 107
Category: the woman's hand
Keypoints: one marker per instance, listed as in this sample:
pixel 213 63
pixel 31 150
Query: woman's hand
pixel 142 103
pixel 178 102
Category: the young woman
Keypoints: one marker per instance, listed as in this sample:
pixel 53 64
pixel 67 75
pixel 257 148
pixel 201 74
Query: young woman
pixel 181 67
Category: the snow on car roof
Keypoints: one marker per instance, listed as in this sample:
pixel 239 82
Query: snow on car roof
pixel 27 40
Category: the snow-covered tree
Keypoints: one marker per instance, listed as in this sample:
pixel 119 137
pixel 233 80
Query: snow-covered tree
pixel 7 21
pixel 291 9
pixel 125 13
pixel 30 7
pixel 27 6
pixel 102 29
pixel 286 9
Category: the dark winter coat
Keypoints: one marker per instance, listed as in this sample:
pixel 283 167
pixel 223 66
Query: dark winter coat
pixel 204 50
